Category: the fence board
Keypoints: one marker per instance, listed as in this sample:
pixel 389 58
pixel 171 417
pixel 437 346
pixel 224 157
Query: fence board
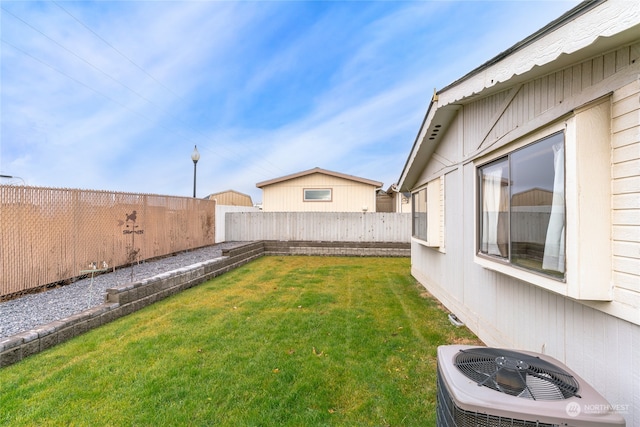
pixel 49 235
pixel 319 226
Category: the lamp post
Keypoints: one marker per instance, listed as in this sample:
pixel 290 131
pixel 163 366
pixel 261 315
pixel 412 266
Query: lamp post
pixel 13 177
pixel 195 156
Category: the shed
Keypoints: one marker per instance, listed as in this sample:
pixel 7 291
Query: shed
pixel 231 198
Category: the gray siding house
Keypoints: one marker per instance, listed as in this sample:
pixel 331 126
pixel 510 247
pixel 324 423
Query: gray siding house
pixel 525 184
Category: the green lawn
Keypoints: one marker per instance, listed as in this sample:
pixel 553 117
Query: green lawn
pixel 282 341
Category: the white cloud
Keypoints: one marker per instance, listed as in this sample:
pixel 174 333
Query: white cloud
pixel 263 88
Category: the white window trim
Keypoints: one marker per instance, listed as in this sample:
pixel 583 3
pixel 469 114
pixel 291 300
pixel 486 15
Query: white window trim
pixel 588 206
pixel 304 195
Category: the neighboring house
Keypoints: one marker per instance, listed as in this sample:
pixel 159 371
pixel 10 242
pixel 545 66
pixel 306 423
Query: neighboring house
pixel 393 201
pixel 401 200
pixel 319 190
pixel 525 182
pixel 231 198
pixel 384 201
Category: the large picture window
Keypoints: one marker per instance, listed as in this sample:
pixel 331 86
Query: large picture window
pixel 522 207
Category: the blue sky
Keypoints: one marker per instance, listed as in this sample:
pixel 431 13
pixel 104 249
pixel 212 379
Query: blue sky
pixel 113 95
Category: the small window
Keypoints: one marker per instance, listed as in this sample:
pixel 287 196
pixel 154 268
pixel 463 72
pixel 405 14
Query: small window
pixel 522 207
pixel 419 209
pixel 428 213
pixel 317 195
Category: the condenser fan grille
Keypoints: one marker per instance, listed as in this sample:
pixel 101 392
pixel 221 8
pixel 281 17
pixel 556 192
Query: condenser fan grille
pixel 516 374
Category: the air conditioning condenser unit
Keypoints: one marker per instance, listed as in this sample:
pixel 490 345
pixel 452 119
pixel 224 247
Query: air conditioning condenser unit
pixel 493 387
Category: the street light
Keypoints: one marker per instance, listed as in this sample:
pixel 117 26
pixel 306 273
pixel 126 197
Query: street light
pixel 13 177
pixel 195 156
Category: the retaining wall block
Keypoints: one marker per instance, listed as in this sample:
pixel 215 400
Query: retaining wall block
pixel 152 298
pixel 125 309
pixel 116 313
pixel 156 286
pixel 80 328
pixel 108 316
pixel 112 295
pixel 11 356
pixel 10 342
pixel 53 327
pixel 131 295
pixel 95 321
pixel 126 287
pixel 137 305
pixel 134 294
pixel 124 297
pixel 30 348
pixel 143 291
pixel 164 293
pixel 49 341
pixel 168 282
pixel 65 334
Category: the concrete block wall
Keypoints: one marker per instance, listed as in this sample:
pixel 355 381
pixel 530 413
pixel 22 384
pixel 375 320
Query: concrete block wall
pixel 128 298
pixel 375 249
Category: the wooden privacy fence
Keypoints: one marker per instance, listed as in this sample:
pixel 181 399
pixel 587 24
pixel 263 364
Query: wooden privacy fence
pixel 49 235
pixel 319 226
pixel 221 212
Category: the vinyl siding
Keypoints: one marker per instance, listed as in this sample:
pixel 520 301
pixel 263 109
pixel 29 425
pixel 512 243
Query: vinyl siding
pixel 489 119
pixel 347 196
pixel 625 127
pixel 504 311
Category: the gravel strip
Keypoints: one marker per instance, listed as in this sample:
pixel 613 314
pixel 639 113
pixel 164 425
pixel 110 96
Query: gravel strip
pixel 30 311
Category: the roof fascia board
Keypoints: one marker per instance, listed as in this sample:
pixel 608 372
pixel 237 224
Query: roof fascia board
pixel 415 146
pixel 547 49
pixel 574 31
pixel 228 191
pixel 571 14
pixel 262 184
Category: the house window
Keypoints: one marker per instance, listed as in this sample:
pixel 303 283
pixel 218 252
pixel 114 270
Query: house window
pixel 419 210
pixel 428 213
pixel 522 207
pixel 317 194
pixel 544 206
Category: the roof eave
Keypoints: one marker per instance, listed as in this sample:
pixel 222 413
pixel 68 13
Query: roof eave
pixel 263 184
pixel 572 14
pixel 433 128
pixel 518 64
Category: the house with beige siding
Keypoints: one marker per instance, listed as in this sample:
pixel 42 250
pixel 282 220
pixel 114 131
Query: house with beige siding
pixel 525 186
pixel 319 190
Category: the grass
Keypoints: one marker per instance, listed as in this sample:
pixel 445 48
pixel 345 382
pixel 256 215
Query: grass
pixel 282 341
